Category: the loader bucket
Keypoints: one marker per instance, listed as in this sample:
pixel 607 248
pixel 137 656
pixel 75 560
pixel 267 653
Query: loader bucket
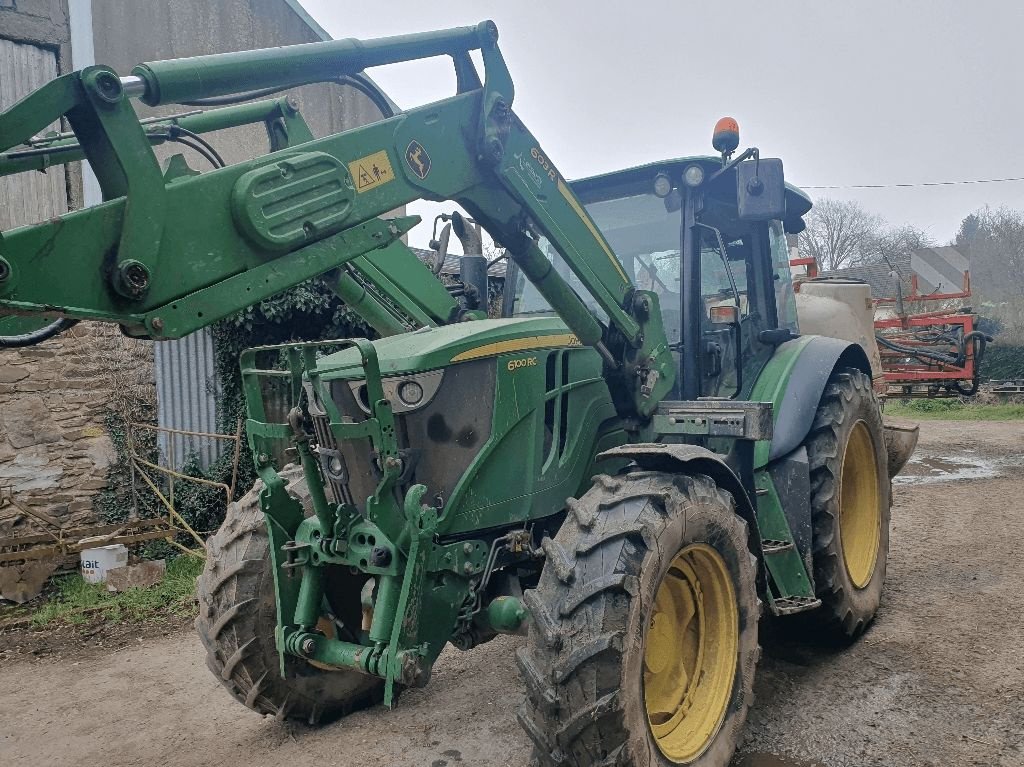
pixel 900 441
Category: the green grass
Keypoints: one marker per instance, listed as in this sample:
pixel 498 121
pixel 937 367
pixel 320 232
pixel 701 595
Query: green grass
pixel 76 600
pixel 954 410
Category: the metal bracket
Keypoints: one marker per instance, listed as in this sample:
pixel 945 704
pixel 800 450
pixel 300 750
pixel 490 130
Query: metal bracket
pixel 715 418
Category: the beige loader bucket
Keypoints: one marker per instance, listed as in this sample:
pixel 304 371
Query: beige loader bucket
pixel 900 440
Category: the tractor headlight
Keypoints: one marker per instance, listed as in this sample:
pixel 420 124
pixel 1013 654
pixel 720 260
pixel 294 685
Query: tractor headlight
pixel 410 392
pixel 662 185
pixel 693 175
pixel 405 393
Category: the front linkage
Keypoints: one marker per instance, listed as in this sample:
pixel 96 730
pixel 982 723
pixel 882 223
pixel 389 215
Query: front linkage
pixel 392 539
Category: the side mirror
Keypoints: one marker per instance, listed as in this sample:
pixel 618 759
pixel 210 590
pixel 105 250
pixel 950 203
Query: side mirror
pixel 760 190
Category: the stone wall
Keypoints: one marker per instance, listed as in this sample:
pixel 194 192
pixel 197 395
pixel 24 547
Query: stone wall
pixel 56 402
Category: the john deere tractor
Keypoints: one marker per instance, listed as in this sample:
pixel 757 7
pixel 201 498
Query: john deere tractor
pixel 632 466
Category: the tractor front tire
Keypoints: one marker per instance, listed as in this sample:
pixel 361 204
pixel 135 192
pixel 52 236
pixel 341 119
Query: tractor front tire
pixel 850 504
pixel 238 615
pixel 643 643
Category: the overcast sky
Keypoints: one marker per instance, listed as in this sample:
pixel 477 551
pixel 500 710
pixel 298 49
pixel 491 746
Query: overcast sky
pixel 846 93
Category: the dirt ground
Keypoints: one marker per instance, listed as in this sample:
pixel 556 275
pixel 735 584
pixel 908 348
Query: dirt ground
pixel 938 680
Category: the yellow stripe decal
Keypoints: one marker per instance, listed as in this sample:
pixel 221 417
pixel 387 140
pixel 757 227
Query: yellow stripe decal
pixel 517 345
pixel 571 199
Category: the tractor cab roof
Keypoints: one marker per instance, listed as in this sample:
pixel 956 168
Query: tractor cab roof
pixel 639 180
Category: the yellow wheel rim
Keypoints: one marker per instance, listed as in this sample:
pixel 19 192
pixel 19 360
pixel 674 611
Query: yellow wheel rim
pixel 690 653
pixel 859 516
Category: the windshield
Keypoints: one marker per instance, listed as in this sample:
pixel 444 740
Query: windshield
pixel 642 234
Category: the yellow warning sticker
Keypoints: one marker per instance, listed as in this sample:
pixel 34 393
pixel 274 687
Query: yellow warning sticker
pixel 371 171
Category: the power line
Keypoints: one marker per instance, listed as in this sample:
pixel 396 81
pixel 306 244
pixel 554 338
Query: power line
pixel 918 184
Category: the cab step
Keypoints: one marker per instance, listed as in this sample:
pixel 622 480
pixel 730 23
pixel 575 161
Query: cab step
pixel 790 605
pixel 771 546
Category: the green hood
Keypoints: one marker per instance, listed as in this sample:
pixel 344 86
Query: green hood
pixel 432 348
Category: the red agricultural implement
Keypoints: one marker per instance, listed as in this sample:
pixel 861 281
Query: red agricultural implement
pixel 926 352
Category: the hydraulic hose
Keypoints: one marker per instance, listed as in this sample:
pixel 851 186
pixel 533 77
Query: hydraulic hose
pixel 980 342
pixel 37 336
pixel 359 81
pixel 978 339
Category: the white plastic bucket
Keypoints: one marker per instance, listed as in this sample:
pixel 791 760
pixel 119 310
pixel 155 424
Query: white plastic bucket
pixel 96 562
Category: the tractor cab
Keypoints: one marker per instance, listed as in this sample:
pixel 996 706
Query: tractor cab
pixel 686 224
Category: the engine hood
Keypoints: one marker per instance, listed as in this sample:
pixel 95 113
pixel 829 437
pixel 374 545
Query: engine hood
pixel 432 348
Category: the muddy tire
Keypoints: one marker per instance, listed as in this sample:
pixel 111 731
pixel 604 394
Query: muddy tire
pixel 611 650
pixel 850 502
pixel 237 618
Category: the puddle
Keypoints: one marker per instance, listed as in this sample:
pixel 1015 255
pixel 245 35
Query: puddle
pixel 925 469
pixel 770 760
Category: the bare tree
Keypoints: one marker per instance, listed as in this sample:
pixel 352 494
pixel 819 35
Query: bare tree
pixel 895 244
pixel 993 241
pixel 839 234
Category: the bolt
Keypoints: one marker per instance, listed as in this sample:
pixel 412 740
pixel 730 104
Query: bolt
pixel 263 458
pixel 157 323
pixel 491 30
pixel 108 87
pixel 308 646
pixel 380 556
pixel 137 275
pixel 292 103
pixel 467 568
pixel 132 279
pixel 468 548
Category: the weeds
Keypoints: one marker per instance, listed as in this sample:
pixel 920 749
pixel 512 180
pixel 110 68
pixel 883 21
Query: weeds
pixel 75 599
pixel 954 410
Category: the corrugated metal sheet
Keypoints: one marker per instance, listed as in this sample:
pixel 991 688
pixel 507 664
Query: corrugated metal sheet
pixel 28 198
pixel 185 393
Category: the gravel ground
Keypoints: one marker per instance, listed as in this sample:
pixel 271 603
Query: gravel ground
pixel 938 680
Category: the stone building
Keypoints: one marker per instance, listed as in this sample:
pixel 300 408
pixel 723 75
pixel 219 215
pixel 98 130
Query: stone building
pixel 59 399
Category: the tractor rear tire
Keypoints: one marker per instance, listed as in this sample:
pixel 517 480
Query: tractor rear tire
pixel 238 615
pixel 850 503
pixel 643 640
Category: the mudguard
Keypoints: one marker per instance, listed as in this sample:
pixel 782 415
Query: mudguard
pixel 691 459
pixel 793 381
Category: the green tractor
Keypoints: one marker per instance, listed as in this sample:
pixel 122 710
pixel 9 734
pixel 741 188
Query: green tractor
pixel 632 466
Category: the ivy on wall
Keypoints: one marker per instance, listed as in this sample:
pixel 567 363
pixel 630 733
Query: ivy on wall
pixel 308 312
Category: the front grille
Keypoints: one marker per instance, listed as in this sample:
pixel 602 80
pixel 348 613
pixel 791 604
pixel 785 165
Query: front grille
pixel 437 441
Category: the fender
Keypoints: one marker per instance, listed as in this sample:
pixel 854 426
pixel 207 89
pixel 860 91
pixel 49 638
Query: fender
pixel 691 459
pixel 793 381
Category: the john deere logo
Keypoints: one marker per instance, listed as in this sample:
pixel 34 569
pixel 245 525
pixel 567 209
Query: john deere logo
pixel 418 159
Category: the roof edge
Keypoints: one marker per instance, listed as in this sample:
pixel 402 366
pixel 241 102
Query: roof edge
pixel 308 20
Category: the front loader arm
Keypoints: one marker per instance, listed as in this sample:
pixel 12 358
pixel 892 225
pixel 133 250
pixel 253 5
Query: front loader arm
pixel 169 253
